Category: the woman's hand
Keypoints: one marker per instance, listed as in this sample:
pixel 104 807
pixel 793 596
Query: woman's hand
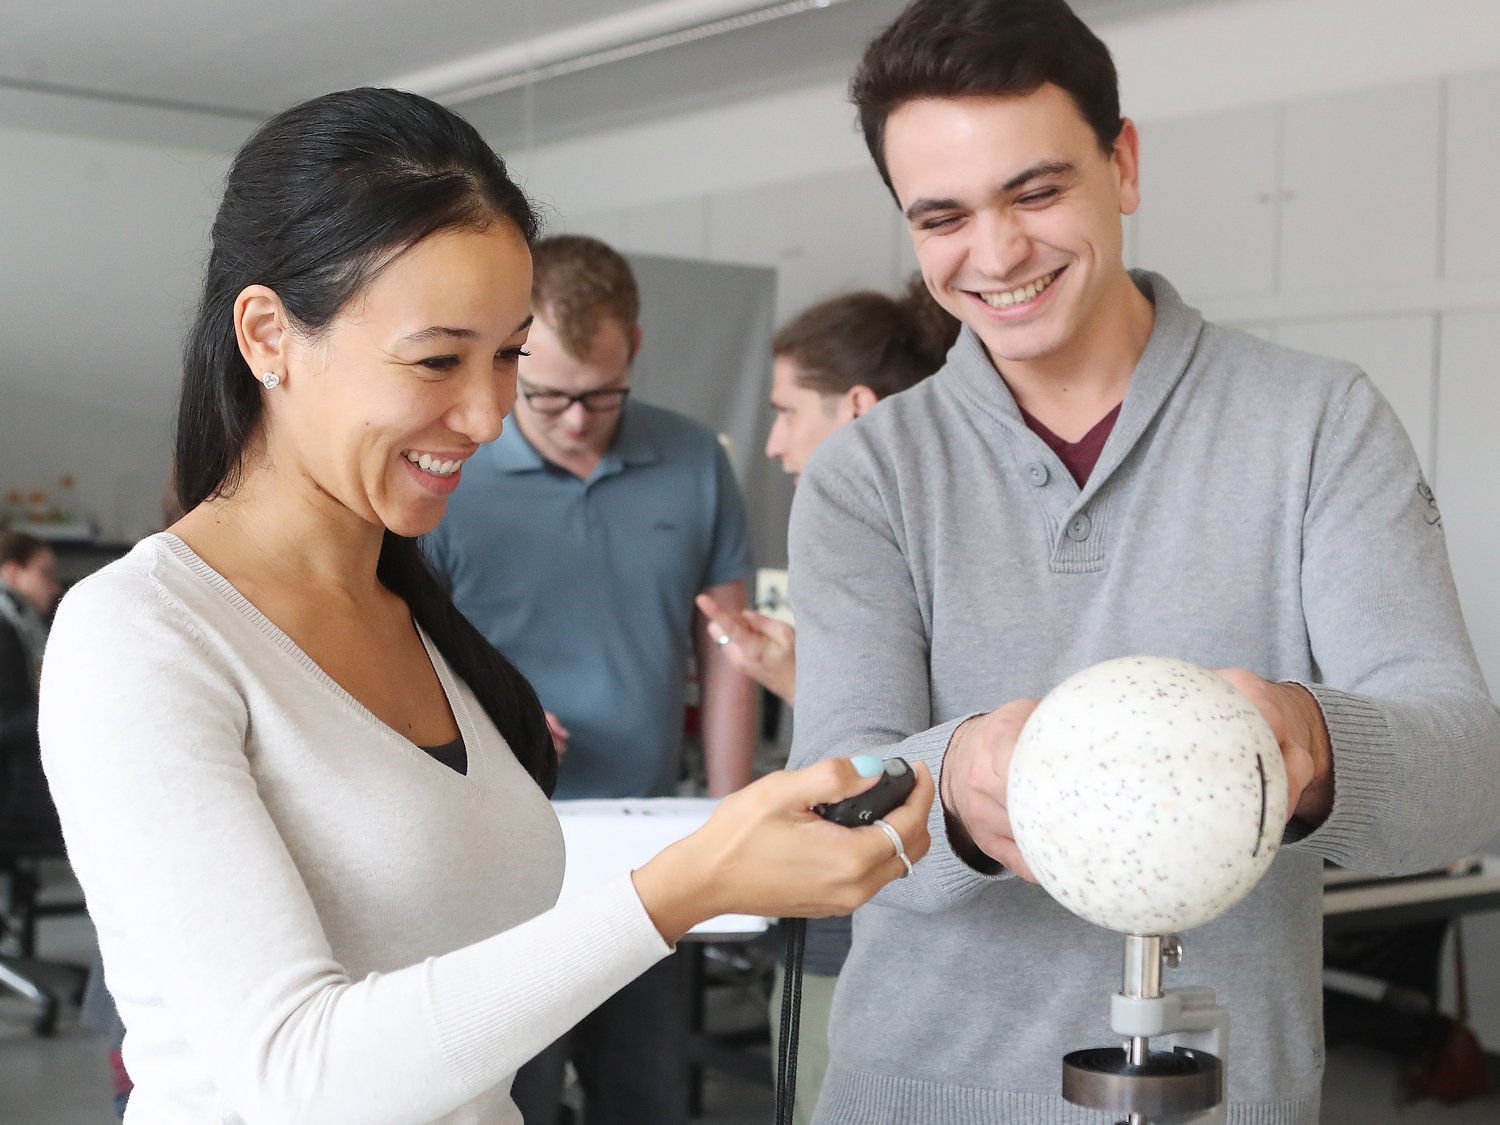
pixel 764 851
pixel 760 646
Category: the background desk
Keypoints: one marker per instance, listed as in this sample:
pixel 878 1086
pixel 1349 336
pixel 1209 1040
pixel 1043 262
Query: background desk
pixel 1387 903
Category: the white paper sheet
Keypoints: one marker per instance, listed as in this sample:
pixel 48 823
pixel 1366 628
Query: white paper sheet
pixel 607 838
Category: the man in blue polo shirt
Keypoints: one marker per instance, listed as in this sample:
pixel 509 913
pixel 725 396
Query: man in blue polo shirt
pixel 576 544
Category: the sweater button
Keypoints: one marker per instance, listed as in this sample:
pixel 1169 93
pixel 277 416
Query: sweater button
pixel 1079 527
pixel 1037 473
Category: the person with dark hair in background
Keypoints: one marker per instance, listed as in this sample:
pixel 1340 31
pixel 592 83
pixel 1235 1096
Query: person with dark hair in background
pixel 28 591
pixel 577 548
pixel 1096 472
pixel 306 800
pixel 833 362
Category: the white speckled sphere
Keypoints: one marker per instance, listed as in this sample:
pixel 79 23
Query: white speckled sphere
pixel 1148 795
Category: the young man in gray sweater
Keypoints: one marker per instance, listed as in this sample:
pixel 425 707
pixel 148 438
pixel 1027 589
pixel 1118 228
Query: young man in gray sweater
pixel 1096 472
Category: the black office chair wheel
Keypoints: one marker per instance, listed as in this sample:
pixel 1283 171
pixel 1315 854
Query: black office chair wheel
pixel 45 1024
pixel 1169 1083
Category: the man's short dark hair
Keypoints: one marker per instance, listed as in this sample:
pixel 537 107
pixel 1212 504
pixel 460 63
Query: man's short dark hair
pixel 984 48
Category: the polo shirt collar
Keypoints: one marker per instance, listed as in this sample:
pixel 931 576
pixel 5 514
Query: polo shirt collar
pixel 632 445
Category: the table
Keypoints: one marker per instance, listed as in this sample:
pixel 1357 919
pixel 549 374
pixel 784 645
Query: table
pixel 1384 903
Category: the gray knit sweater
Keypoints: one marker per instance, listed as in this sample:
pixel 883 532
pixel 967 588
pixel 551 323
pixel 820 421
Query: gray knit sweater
pixel 1254 507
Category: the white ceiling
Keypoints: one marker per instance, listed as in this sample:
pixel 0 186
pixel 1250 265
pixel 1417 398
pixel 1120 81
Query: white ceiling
pixel 259 57
pixel 201 73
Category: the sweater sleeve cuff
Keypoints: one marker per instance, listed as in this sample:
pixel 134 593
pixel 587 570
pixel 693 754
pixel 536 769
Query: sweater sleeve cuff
pixel 1363 773
pixel 499 1002
pixel 943 870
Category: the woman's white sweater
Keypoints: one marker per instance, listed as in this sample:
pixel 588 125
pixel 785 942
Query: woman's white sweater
pixel 304 917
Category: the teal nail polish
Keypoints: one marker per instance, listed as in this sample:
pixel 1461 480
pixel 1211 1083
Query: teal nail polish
pixel 867 765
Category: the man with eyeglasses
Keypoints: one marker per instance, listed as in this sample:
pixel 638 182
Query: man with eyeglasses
pixel 577 543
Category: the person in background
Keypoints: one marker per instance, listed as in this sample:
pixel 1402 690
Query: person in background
pixel 576 547
pixel 99 1013
pixel 29 590
pixel 1098 472
pixel 305 799
pixel 832 363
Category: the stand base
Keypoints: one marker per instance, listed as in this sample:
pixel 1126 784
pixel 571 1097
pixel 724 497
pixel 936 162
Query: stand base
pixel 1169 1084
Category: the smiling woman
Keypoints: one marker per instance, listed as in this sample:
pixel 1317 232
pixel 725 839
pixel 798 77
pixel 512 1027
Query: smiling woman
pixel 306 800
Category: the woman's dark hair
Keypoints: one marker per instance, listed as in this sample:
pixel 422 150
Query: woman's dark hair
pixel 318 202
pixel 984 48
pixel 885 343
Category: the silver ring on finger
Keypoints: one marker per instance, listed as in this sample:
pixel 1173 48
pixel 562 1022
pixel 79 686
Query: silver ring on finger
pixel 895 839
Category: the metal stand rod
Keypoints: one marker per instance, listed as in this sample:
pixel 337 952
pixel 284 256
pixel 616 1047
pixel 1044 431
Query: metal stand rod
pixel 1184 1084
pixel 1142 981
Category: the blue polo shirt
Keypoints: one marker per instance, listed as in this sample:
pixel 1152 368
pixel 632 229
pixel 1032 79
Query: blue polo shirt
pixel 587 585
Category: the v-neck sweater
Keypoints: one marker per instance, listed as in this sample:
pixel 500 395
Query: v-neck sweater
pixel 303 916
pixel 1253 507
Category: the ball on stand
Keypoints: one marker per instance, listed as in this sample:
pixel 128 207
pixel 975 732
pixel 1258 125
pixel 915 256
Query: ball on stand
pixel 1147 794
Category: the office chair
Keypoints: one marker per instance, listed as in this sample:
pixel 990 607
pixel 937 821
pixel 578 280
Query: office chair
pixel 29 835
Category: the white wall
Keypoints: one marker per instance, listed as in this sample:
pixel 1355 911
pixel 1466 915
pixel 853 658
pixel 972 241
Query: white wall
pixel 1175 62
pixel 1219 55
pixel 101 243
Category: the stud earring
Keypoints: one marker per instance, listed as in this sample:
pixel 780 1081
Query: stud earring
pixel 270 379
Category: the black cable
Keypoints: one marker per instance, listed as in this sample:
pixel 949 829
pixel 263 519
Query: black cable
pixel 791 1019
pixel 894 785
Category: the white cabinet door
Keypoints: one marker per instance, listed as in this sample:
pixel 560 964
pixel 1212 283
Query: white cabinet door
pixel 1207 214
pixel 1396 353
pixel 1360 189
pixel 1468 473
pixel 1472 238
pixel 824 234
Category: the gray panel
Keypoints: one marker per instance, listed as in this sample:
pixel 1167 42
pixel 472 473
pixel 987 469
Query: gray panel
pixel 706 351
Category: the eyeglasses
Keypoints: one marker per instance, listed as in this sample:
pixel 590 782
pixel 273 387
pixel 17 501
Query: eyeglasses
pixel 604 400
